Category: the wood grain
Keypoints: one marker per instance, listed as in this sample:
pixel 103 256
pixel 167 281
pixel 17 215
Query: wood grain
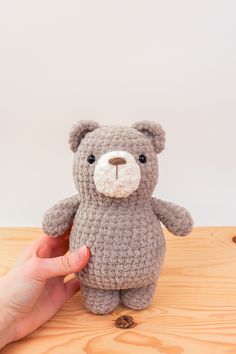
pixel 194 310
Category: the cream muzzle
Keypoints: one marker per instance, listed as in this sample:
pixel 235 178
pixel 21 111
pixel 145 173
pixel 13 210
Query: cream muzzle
pixel 117 174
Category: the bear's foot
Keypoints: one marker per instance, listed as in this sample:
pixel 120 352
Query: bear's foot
pixel 138 298
pixel 100 301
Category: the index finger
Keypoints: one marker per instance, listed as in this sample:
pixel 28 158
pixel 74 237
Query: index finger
pixel 44 247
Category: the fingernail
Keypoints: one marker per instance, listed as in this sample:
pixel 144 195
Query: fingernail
pixel 82 252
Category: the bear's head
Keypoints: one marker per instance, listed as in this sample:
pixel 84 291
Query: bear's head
pixel 114 162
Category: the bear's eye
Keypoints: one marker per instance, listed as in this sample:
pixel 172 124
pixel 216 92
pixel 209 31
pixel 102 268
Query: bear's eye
pixel 142 158
pixel 91 159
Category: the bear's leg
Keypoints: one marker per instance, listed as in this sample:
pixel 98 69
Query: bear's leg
pixel 100 301
pixel 138 298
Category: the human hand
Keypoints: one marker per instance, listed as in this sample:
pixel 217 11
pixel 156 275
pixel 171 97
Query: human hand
pixel 34 290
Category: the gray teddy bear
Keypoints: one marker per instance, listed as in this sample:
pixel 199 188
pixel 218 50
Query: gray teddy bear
pixel 115 171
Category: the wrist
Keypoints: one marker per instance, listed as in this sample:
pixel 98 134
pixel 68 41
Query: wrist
pixel 6 319
pixel 6 329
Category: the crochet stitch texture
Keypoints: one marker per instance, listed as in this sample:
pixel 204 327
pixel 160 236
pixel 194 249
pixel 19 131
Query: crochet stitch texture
pixel 124 234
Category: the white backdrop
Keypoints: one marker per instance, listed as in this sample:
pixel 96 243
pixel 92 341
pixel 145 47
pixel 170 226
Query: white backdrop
pixel 118 62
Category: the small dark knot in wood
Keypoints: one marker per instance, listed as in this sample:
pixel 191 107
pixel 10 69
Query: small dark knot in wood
pixel 234 239
pixel 124 321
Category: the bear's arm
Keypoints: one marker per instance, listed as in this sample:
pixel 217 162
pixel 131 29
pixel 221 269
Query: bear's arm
pixel 58 219
pixel 175 218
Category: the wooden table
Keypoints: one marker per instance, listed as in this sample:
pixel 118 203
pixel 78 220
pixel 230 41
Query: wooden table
pixel 194 310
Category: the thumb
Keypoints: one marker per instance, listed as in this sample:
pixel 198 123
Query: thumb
pixel 46 268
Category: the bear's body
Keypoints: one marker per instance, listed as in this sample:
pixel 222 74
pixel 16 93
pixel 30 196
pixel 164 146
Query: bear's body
pixel 115 172
pixel 126 244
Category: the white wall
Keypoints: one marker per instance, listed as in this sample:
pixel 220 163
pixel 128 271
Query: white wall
pixel 118 62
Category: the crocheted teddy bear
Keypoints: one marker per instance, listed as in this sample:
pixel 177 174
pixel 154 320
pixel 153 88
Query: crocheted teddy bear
pixel 115 171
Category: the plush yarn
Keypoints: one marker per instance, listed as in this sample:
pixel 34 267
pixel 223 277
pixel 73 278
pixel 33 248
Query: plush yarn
pixel 118 220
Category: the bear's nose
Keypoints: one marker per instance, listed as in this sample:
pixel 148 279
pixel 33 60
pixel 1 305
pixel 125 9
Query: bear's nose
pixel 117 161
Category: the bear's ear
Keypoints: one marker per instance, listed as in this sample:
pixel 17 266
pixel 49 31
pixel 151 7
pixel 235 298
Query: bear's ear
pixel 78 132
pixel 154 132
